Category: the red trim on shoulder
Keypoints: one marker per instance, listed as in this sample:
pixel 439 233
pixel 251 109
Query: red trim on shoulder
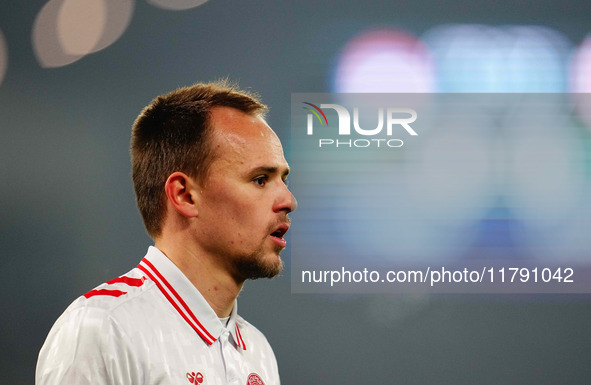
pixel 159 280
pixel 137 282
pixel 240 340
pixel 112 293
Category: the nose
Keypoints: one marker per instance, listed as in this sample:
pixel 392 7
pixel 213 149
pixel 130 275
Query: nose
pixel 285 201
pixel 294 202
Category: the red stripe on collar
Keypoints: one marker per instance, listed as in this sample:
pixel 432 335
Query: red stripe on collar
pixel 240 340
pixel 177 302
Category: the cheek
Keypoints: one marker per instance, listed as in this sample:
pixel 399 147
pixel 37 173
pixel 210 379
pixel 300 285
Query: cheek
pixel 230 204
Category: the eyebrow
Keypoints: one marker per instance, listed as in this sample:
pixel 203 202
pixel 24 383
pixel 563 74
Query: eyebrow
pixel 270 170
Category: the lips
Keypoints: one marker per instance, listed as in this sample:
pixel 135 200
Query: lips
pixel 278 233
pixel 280 230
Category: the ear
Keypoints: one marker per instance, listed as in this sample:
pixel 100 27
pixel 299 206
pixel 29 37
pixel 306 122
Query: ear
pixel 179 189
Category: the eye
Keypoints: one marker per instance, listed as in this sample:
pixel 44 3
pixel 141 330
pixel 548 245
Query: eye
pixel 260 180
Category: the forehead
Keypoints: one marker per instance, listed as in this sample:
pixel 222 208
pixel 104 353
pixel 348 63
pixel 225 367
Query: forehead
pixel 244 139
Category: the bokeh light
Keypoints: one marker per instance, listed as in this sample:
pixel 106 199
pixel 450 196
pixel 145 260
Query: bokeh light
pixel 177 5
pixel 537 60
pixel 580 80
pixel 3 57
pixel 418 209
pixel 80 25
pixel 384 60
pixel 544 179
pixel 476 58
pixel 464 59
pixel 67 30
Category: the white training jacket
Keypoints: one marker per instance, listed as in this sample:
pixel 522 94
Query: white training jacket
pixel 152 326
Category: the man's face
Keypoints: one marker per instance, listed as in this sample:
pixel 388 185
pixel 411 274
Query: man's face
pixel 244 200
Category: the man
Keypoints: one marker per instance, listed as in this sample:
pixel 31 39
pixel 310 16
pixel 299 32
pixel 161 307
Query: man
pixel 209 176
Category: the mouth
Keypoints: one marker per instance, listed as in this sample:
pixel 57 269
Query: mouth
pixel 278 234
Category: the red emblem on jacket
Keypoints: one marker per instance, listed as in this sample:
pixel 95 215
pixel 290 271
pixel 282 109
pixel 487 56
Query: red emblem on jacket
pixel 254 379
pixel 195 378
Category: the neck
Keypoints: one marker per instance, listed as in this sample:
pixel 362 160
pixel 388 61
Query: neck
pixel 214 283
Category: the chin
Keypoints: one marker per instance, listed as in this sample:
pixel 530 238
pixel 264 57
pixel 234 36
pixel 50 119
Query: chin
pixel 260 267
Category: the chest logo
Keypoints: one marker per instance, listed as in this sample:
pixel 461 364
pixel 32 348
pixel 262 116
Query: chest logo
pixel 254 379
pixel 196 378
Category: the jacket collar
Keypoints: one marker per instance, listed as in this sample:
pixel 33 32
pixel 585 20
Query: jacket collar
pixel 187 300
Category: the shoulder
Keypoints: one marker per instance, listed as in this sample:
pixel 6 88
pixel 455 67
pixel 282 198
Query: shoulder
pixel 95 329
pixel 118 305
pixel 115 292
pixel 116 299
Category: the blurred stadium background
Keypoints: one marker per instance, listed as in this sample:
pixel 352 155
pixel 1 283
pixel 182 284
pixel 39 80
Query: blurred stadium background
pixel 74 75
